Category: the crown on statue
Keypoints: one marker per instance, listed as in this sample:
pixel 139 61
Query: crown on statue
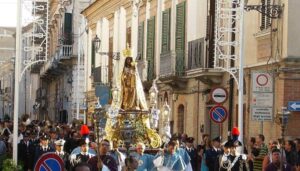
pixel 127 51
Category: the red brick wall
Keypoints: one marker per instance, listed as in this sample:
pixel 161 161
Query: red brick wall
pixel 292 93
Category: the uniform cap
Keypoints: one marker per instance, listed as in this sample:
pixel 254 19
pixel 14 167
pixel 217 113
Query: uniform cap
pixel 60 142
pixel 190 140
pixel 218 139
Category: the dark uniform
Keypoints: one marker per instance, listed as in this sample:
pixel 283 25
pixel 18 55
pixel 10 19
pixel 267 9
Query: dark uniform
pixel 83 156
pixel 25 150
pixel 232 161
pixel 192 152
pixel 212 156
pixel 235 163
pixel 40 150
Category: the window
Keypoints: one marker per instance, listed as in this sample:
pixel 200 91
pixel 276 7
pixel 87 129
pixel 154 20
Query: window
pixel 93 58
pixel 180 119
pixel 68 29
pixel 150 48
pixel 265 21
pixel 196 54
pixel 180 39
pixel 141 41
pixel 165 42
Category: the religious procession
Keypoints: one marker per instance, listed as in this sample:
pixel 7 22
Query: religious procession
pixel 124 138
pixel 150 85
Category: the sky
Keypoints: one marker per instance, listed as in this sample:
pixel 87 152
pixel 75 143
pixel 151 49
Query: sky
pixel 8 13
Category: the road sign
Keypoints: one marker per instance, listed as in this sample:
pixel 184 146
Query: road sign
pixel 218 114
pixel 262 113
pixel 262 99
pixel 294 105
pixel 262 81
pixel 48 162
pixel 219 95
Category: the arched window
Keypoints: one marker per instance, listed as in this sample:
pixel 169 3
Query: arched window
pixel 180 119
pixel 166 99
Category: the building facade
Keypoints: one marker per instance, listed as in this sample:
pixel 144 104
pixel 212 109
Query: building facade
pixel 173 43
pixel 7 54
pixel 60 93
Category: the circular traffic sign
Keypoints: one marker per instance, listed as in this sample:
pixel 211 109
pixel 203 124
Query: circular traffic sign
pixel 218 114
pixel 219 95
pixel 48 162
pixel 262 79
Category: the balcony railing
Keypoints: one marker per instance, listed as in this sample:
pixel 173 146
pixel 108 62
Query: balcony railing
pixel 100 75
pixel 167 64
pixel 196 54
pixel 65 52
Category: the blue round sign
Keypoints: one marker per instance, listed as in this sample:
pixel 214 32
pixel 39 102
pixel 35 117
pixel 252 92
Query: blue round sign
pixel 218 114
pixel 49 162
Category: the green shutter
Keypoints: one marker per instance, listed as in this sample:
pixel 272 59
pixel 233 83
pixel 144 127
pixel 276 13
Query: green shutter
pixel 68 29
pixel 165 42
pixel 93 58
pixel 141 41
pixel 180 39
pixel 150 47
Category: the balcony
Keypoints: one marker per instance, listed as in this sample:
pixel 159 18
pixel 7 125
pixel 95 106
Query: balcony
pixel 167 65
pixel 65 52
pixel 172 69
pixel 197 64
pixel 56 65
pixel 100 75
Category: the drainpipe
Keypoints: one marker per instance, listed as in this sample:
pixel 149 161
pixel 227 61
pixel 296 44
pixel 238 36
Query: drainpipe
pixel 231 81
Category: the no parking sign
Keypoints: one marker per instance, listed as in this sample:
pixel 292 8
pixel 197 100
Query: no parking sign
pixel 49 162
pixel 218 114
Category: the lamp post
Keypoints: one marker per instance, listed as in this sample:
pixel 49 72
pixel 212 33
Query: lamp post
pixel 166 131
pixel 282 119
pixel 97 44
pixel 115 95
pixel 153 95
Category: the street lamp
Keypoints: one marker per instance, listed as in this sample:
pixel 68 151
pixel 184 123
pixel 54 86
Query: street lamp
pixel 97 44
pixel 153 95
pixel 115 94
pixel 166 131
pixel 282 119
pixel 271 11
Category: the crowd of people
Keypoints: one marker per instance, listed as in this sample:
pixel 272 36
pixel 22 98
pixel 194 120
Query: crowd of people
pixel 77 146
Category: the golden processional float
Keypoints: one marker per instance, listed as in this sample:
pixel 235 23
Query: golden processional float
pixel 128 120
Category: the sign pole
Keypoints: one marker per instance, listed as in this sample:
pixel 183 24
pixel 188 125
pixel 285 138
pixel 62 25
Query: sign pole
pixel 241 73
pixel 17 81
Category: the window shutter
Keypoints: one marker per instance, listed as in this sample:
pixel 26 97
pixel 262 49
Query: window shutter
pixel 68 29
pixel 263 18
pixel 141 41
pixel 93 57
pixel 268 19
pixel 150 47
pixel 166 18
pixel 180 38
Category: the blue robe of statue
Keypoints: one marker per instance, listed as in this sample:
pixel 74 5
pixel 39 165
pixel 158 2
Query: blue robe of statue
pixel 145 162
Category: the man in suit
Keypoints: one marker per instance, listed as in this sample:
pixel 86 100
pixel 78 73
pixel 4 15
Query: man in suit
pixel 213 154
pixel 25 150
pixel 43 147
pixel 191 151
